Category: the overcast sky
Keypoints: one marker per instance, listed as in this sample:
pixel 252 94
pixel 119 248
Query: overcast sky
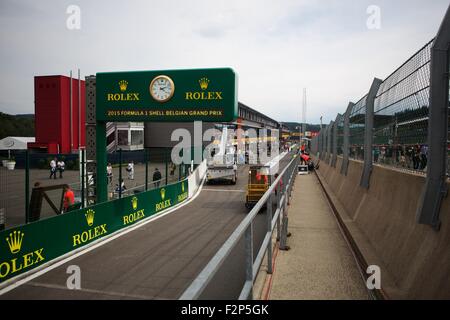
pixel 276 47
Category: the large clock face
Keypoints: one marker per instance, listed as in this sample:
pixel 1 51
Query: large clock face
pixel 162 88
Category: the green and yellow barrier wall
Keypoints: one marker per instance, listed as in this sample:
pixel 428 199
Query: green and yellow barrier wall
pixel 29 246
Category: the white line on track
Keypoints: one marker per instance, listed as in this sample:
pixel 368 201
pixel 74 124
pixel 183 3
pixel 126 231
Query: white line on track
pixel 13 283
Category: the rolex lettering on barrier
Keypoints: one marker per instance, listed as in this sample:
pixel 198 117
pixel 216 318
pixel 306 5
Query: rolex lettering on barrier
pixel 184 194
pixel 21 261
pixel 136 215
pixel 164 203
pixel 91 233
pixel 31 245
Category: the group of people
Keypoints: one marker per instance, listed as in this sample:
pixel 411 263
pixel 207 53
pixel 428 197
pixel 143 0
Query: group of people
pixel 129 169
pixel 407 156
pixel 69 199
pixel 55 166
pixel 157 177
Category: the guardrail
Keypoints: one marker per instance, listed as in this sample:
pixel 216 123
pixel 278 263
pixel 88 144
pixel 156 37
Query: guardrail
pixel 237 253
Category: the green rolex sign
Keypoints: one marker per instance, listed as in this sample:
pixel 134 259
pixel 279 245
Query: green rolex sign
pixel 169 95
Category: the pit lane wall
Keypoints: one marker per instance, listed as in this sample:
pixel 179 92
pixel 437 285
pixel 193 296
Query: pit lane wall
pixel 29 246
pixel 414 259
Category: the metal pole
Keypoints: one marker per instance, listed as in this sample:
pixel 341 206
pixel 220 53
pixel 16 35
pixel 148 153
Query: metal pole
pixel 249 257
pixel 71 113
pixel 335 138
pixel 100 147
pixel 146 168
pixel 166 159
pixel 329 137
pixel 435 189
pixel 180 166
pixel 87 183
pixel 269 232
pixel 278 219
pixel 27 187
pixel 79 110
pixel 368 133
pixel 345 147
pixel 120 173
pixel 82 177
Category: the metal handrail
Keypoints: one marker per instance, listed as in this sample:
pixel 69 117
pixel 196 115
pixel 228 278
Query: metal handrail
pixel 245 229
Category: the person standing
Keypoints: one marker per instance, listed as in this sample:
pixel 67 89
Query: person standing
pixel 69 198
pixel 157 177
pixel 130 170
pixel 61 167
pixel 172 168
pixel 53 168
pixel 109 173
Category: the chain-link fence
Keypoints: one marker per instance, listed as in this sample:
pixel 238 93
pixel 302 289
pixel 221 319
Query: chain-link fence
pixel 45 185
pixel 401 114
pixel 357 122
pixel 138 170
pixel 141 170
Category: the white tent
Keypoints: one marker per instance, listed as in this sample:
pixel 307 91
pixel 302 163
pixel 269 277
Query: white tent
pixel 15 143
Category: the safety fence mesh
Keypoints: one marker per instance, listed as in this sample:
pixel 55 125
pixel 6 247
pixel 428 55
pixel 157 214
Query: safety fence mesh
pixel 401 114
pixel 357 125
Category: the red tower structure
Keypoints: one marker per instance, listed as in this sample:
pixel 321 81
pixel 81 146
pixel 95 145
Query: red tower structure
pixel 59 109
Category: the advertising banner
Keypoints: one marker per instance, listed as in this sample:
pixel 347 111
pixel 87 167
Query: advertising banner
pixel 208 95
pixel 26 247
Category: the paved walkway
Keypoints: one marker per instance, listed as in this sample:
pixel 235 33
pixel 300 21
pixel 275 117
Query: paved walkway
pixel 319 264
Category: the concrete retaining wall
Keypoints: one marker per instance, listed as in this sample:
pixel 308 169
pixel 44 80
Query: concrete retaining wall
pixel 415 256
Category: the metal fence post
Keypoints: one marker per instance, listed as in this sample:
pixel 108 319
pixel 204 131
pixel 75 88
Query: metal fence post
pixel 368 133
pixel 279 216
pixel 345 147
pixel 146 168
pixel 324 143
pixel 269 232
pixel 284 228
pixel 166 158
pixel 335 138
pixel 435 188
pixel 120 173
pixel 249 258
pixel 82 176
pixel 322 135
pixel 329 138
pixel 27 187
pixel 319 138
pixel 287 194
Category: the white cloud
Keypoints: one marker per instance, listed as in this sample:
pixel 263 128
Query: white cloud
pixel 276 47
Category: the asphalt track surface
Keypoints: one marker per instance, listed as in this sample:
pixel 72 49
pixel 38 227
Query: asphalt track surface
pixel 159 259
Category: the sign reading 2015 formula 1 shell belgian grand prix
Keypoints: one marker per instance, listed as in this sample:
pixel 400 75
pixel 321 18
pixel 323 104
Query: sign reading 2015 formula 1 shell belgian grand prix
pixel 168 95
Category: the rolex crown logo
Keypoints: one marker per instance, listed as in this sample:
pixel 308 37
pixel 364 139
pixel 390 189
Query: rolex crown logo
pixel 134 203
pixel 15 241
pixel 204 82
pixel 163 193
pixel 90 217
pixel 123 85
